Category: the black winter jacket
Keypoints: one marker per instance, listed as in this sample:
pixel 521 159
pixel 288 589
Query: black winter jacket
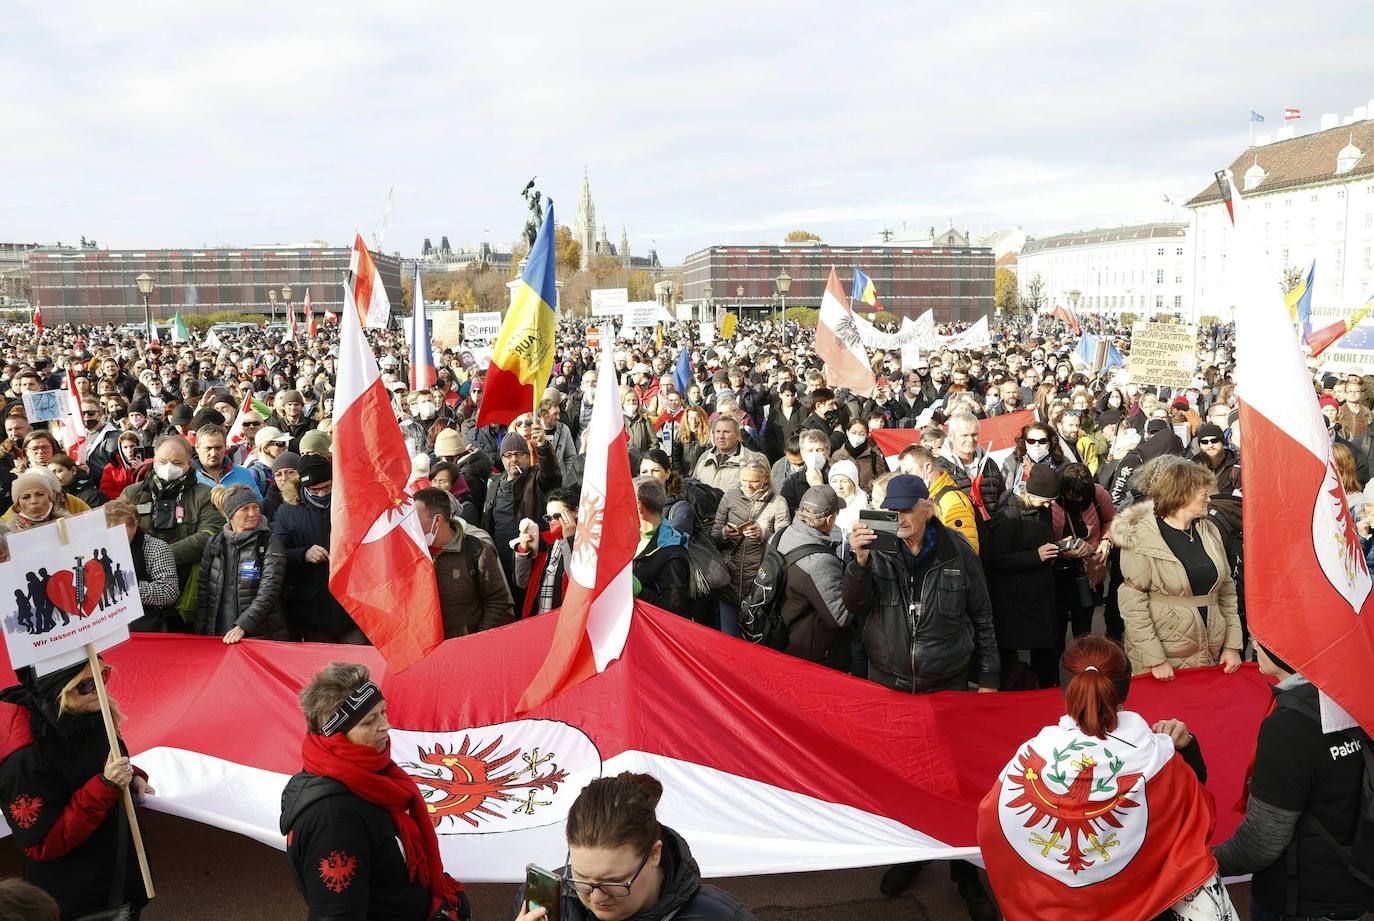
pixel 1020 584
pixel 931 648
pixel 661 569
pixel 254 563
pixel 683 897
pixel 306 599
pixel 345 856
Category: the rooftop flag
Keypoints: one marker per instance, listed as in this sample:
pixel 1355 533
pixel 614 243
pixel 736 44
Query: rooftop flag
pixel 1291 114
pixel 1256 117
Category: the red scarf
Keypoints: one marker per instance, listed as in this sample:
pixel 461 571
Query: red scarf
pixel 541 560
pixel 372 776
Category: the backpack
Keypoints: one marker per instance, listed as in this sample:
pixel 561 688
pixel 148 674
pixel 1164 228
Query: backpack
pixel 1358 856
pixel 760 615
pixel 705 500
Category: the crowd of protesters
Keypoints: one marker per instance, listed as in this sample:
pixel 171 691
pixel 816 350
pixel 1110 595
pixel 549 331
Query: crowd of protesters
pixel 1118 511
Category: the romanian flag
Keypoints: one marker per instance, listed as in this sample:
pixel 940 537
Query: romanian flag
pixel 863 289
pixel 523 354
pixel 1300 301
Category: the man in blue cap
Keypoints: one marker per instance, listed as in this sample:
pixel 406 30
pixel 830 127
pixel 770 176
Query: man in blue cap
pixel 928 618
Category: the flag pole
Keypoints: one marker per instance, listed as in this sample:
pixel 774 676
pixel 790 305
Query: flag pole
pixel 1251 120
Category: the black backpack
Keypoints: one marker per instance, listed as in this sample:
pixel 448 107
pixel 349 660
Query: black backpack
pixel 760 615
pixel 704 500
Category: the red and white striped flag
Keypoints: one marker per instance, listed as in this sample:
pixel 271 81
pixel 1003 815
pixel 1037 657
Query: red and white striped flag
pixel 74 425
pixel 997 436
pixel 290 322
pixel 310 330
pixel 839 344
pixel 379 563
pixel 368 291
pixel 331 317
pixel 1291 114
pixel 235 436
pixel 1307 589
pixel 595 618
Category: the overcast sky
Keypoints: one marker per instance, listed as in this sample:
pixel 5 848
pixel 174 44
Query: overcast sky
pixel 701 123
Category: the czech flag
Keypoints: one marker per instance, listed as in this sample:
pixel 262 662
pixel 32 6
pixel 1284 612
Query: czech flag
pixel 863 289
pixel 423 374
pixel 522 356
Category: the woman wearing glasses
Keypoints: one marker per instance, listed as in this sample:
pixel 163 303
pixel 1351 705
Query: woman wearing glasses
pixel 61 792
pixel 1036 444
pixel 624 866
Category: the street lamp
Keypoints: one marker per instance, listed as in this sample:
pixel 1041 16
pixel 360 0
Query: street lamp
pixel 272 296
pixel 145 287
pixel 286 295
pixel 784 283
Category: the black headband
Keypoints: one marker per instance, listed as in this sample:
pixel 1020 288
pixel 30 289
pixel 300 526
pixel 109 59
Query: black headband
pixel 353 709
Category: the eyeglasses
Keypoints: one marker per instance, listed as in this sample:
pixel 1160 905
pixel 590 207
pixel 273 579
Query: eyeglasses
pixel 516 454
pixel 614 890
pixel 87 686
pixel 523 425
pixel 1209 441
pixel 252 425
pixel 1037 441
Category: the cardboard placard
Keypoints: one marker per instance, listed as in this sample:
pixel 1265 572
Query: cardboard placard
pixel 481 328
pixel 1163 354
pixel 642 314
pixel 446 329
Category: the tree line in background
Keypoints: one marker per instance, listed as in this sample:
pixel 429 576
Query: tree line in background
pixel 482 287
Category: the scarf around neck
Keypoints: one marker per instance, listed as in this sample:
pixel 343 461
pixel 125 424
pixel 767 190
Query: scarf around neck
pixel 372 776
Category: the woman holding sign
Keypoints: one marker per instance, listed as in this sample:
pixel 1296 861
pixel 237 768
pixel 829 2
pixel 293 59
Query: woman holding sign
pixel 60 791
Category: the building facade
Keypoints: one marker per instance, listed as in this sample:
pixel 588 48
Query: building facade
pixel 944 274
pixel 443 258
pixel 1313 199
pixel 1145 269
pixel 97 286
pixel 14 273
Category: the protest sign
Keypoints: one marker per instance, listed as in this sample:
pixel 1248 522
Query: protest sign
pixel 609 302
pixel 474 357
pixel 684 313
pixel 1163 354
pixel 446 329
pixel 594 337
pixel 46 405
pixel 641 313
pixel 481 328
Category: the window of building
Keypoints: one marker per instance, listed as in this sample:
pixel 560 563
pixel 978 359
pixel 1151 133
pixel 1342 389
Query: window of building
pixel 1369 220
pixel 1178 279
pixel 1178 301
pixel 1159 276
pixel 1179 251
pixel 1313 199
pixel 1283 257
pixel 1340 193
pixel 1159 301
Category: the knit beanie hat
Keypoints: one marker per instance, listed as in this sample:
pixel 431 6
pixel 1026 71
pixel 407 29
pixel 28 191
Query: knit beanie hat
pixel 448 443
pixel 237 499
pixel 514 441
pixel 39 477
pixel 317 442
pixel 1042 482
pixel 286 460
pixel 315 470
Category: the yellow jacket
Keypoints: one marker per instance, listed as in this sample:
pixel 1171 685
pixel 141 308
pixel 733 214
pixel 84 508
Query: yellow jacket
pixel 956 509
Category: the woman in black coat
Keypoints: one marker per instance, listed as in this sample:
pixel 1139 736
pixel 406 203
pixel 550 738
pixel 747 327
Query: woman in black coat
pixel 1020 558
pixel 62 793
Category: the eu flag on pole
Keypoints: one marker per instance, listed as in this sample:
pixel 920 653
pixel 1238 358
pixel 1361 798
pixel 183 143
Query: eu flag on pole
pixel 523 354
pixel 1256 117
pixel 682 374
pixel 863 288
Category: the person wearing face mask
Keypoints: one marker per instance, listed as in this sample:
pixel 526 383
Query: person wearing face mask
pixel 37 497
pixel 541 560
pixel 827 417
pixel 302 524
pixel 420 429
pixel 815 456
pixel 638 429
pixel 174 507
pixel 473 592
pixel 1020 556
pixel 1037 445
pixel 863 452
pixel 521 490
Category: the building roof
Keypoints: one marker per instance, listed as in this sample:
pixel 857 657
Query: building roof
pixel 1301 161
pixel 1105 235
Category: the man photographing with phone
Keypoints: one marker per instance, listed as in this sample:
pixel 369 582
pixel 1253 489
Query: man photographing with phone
pixel 928 617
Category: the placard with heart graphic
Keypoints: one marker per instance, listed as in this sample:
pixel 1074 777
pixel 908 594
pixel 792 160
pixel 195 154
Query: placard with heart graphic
pixel 46 621
pixel 62 589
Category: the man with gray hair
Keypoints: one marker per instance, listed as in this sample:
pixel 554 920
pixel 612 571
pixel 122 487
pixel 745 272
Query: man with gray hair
pixel 974 472
pixel 660 564
pixel 720 466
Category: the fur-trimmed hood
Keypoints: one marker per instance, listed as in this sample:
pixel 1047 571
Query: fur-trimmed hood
pixel 1135 528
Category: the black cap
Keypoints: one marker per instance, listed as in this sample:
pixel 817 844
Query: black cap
pixel 1208 430
pixel 1042 482
pixel 182 415
pixel 206 417
pixel 315 470
pixel 1109 417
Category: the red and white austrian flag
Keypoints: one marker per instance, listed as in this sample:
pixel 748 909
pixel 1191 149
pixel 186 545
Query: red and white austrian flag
pixel 1122 814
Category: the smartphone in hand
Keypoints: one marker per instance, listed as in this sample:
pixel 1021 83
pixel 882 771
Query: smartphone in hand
pixel 884 524
pixel 543 889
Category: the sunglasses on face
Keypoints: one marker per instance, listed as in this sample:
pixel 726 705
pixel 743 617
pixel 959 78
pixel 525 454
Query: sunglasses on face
pixel 252 425
pixel 87 685
pixel 1037 441
pixel 1209 441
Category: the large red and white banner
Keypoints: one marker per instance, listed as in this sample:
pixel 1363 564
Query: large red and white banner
pixel 997 436
pixel 806 769
pixel 1307 589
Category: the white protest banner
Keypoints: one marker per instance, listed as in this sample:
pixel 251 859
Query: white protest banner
pixel 46 405
pixel 445 329
pixel 1163 354
pixel 481 328
pixel 923 330
pixel 976 336
pixel 609 302
pixel 911 355
pixel 642 313
pixel 684 313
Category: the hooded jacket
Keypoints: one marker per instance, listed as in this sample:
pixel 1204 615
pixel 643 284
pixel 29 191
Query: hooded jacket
pixel 1160 443
pixel 986 488
pixel 231 474
pixel 1157 602
pixel 683 897
pixel 660 570
pixel 65 819
pixel 813 600
pixel 253 564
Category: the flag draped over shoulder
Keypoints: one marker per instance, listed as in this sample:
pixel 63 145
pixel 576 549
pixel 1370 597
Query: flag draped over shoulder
pixel 595 618
pixel 1307 589
pixel 379 563
pixel 839 344
pixel 1114 829
pixel 807 769
pixel 522 356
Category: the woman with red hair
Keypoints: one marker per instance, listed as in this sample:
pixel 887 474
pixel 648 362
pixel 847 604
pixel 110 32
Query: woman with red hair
pixel 1102 815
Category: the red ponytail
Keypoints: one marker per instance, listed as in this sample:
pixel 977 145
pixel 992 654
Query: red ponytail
pixel 1093 665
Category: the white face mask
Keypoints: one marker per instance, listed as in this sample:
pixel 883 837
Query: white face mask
pixel 425 410
pixel 1037 453
pixel 631 409
pixel 168 471
pixel 433 533
pixel 857 441
pixel 814 460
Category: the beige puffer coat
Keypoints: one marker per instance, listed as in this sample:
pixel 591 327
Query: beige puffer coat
pixel 1157 603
